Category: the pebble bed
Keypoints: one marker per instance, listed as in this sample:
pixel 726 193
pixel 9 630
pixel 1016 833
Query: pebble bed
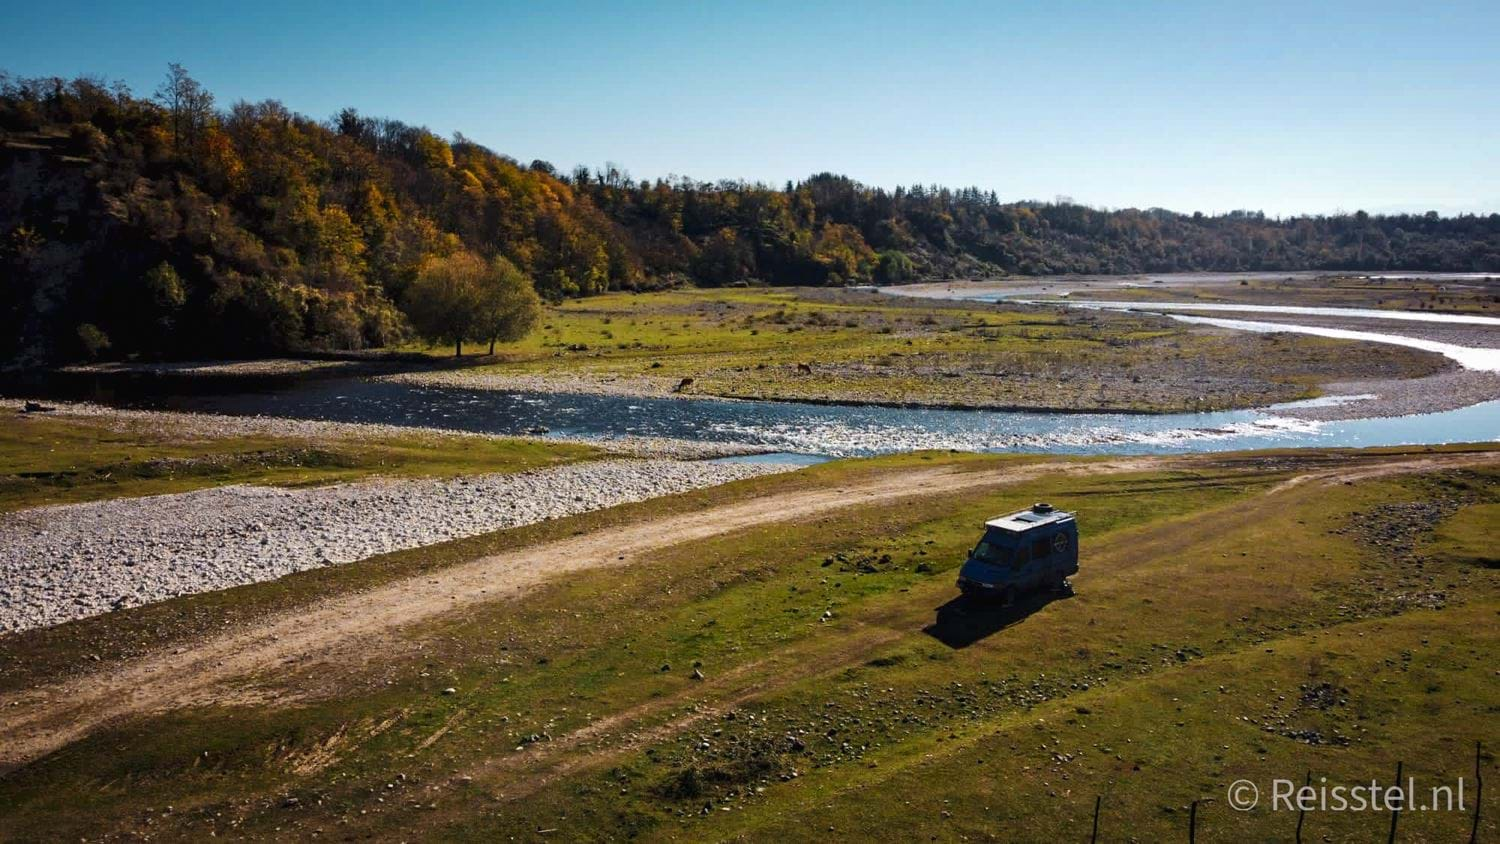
pixel 72 561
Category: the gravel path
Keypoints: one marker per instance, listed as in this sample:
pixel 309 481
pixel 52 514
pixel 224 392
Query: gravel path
pixel 71 561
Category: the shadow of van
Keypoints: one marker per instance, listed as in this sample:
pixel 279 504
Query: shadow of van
pixel 964 620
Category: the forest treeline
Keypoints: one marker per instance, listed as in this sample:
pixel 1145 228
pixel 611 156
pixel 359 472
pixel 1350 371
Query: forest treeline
pixel 167 226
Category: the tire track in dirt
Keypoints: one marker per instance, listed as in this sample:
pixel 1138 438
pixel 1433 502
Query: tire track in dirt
pixel 614 736
pixel 611 738
pixel 347 629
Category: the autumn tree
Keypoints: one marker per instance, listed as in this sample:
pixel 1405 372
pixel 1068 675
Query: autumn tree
pixel 260 230
pixel 443 302
pixel 724 258
pixel 842 252
pixel 509 307
pixel 464 297
pixel 190 107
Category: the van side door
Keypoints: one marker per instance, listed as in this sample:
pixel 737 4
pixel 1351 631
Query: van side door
pixel 1041 556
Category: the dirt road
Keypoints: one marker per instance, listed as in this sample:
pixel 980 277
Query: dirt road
pixel 349 629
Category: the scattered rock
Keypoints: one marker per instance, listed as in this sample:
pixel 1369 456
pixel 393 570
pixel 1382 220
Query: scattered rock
pixel 76 560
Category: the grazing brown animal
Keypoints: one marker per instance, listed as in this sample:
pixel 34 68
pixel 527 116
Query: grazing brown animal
pixel 804 369
pixel 686 382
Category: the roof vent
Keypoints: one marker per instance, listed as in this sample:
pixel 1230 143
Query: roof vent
pixel 1039 507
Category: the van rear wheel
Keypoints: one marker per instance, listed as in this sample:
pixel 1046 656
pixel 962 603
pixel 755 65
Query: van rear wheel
pixel 1008 596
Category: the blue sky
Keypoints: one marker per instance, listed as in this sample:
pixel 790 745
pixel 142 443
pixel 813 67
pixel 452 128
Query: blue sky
pixel 1304 107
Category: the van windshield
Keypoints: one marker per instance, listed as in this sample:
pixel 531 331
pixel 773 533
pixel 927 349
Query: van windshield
pixel 991 553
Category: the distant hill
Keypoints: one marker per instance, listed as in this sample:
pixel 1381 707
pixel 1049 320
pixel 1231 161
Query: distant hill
pixel 168 227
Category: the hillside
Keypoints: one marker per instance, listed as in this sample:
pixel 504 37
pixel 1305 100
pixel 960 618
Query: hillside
pixel 166 226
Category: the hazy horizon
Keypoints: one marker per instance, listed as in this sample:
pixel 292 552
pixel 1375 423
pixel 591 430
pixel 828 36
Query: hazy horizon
pixel 1283 109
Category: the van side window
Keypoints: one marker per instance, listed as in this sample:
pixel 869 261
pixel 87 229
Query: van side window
pixel 1041 548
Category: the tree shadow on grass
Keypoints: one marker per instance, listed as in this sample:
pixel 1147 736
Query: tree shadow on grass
pixel 964 620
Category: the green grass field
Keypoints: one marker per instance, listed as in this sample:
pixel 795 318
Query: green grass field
pixel 852 346
pixel 46 459
pixel 814 676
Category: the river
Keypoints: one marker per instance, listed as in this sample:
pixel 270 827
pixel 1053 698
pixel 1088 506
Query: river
pixel 831 430
pixel 834 430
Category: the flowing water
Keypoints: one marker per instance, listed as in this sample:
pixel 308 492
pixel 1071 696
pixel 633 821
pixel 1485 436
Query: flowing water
pixel 1469 357
pixel 1296 310
pixel 836 430
pixel 1479 358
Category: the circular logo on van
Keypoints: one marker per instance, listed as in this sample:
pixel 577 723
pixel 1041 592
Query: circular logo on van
pixel 1059 542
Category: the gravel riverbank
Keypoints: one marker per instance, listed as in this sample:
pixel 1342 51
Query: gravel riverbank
pixel 71 561
pixel 221 368
pixel 1403 396
pixel 1378 397
pixel 644 386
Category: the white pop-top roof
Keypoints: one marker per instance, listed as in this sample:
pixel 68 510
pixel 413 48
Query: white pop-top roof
pixel 1028 519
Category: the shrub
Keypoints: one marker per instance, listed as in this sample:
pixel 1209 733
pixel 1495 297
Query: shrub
pixel 93 341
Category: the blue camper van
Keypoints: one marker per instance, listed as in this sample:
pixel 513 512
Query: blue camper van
pixel 1023 552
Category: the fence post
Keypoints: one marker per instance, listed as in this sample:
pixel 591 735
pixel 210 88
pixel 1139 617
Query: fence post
pixel 1193 823
pixel 1478 794
pixel 1302 813
pixel 1093 838
pixel 1395 813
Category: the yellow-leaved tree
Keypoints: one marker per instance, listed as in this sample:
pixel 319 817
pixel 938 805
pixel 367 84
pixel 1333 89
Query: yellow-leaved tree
pixel 509 306
pixel 463 296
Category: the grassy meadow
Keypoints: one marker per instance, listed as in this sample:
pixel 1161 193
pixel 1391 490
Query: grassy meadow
pixel 865 347
pixel 48 459
pixel 816 674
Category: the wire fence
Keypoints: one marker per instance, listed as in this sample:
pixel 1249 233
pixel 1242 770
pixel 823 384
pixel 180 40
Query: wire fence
pixel 1192 830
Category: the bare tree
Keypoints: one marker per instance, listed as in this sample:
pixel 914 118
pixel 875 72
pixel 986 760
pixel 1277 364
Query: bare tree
pixel 189 105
